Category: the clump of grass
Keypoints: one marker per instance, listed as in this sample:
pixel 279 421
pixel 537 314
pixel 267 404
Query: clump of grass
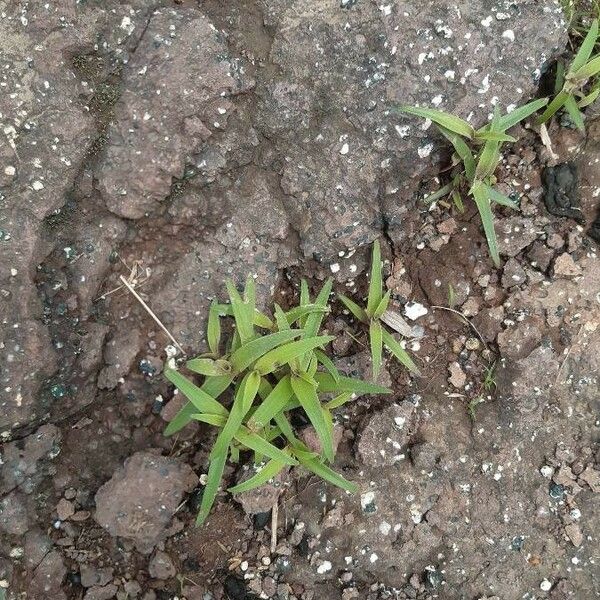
pixel 377 304
pixel 477 155
pixel 577 85
pixel 270 366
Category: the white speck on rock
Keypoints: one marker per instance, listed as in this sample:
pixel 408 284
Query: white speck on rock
pixel 335 267
pixel 324 567
pixel 414 310
pixel 345 149
pixel 425 151
pixel 487 21
pixel 547 471
pixel 509 34
pixel 545 586
pixel 37 185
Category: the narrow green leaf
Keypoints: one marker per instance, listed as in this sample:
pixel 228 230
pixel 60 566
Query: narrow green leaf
pixel 399 352
pixel 557 103
pixel 210 419
pixel 340 400
pixel 264 475
pixel 213 386
pixel 260 319
pixel 375 283
pixel 281 319
pixel 586 48
pixel 304 298
pixel 447 120
pixel 299 312
pixel 494 136
pixel 209 367
pixel 383 305
pixel 272 404
pixel 358 312
pixel 575 113
pixel 243 321
pixel 487 219
pixel 238 411
pixel 498 198
pixel 590 98
pixel 458 202
pixel 588 70
pixel 250 390
pixel 323 471
pixel 286 429
pixel 213 479
pixel 328 364
pixel 213 329
pixel 243 357
pixel 309 400
pixel 197 396
pixel 376 343
pixel 278 357
pixel 443 191
pixel 462 149
pixel 326 384
pixel 314 319
pixel 488 161
pixel 519 114
pixel 260 445
pixel 559 82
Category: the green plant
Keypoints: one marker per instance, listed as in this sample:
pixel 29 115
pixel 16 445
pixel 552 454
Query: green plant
pixel 577 86
pixel 477 155
pixel 377 304
pixel 270 367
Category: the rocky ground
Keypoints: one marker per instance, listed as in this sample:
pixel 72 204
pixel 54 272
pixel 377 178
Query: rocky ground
pixel 178 144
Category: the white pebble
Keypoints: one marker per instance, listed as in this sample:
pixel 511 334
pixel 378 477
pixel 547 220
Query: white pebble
pixel 545 586
pixel 414 310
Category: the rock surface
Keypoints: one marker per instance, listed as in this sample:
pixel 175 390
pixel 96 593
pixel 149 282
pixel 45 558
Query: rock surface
pixel 140 499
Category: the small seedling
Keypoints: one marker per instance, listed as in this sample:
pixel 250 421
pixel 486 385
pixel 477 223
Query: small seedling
pixel 477 155
pixel 377 304
pixel 577 86
pixel 270 367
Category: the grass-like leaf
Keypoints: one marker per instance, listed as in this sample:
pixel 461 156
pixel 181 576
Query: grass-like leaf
pixel 213 386
pixel 260 445
pixel 375 283
pixel 376 342
pixel 462 150
pixel 586 48
pixel 264 475
pixel 201 400
pixel 498 198
pixel 323 471
pixel 588 70
pixel 447 120
pixel 383 305
pixel 328 364
pixel 399 352
pixel 487 219
pixel 213 329
pixel 272 404
pixel 557 103
pixel 209 367
pixel 574 113
pixel 309 400
pixel 519 114
pixel 488 160
pixel 278 357
pixel 238 411
pixel 327 384
pixel 494 136
pixel 250 352
pixel 339 400
pixel 243 320
pixel 213 479
pixel 358 312
pixel 441 193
